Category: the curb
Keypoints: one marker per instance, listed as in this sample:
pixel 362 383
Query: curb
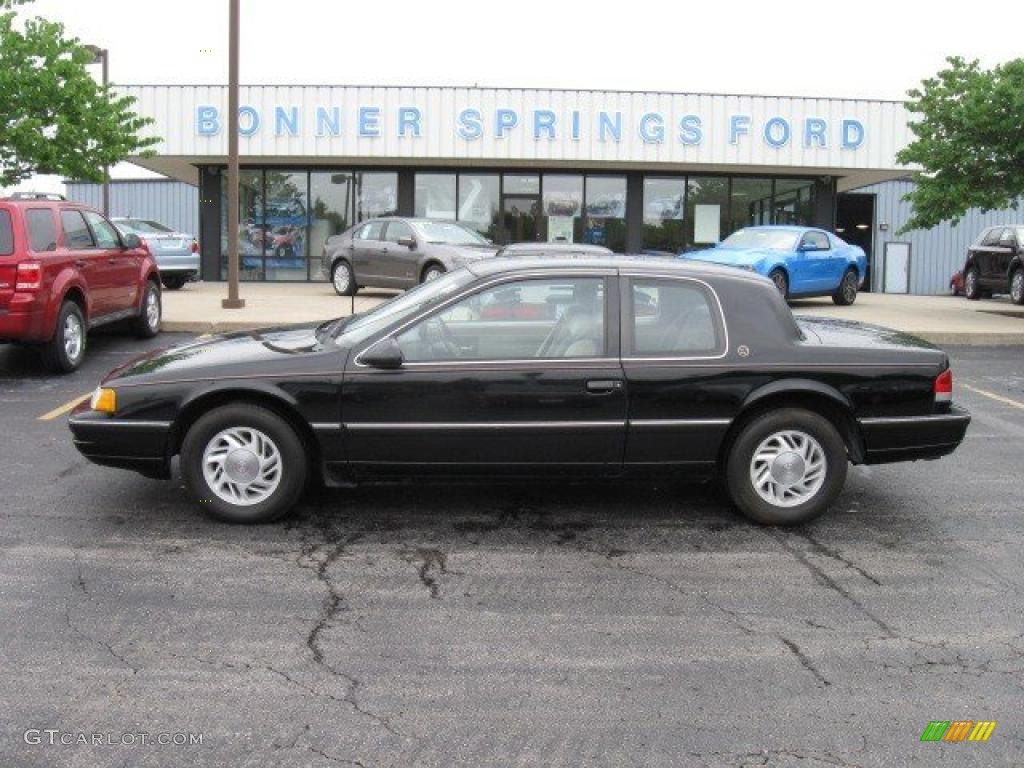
pixel 939 338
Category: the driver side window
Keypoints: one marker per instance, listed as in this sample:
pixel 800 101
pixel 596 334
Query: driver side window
pixel 517 320
pixel 818 239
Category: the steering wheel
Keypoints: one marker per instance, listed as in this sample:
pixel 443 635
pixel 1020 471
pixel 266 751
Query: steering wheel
pixel 436 331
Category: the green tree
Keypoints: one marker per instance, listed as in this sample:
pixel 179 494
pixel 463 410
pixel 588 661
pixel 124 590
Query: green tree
pixel 54 117
pixel 969 141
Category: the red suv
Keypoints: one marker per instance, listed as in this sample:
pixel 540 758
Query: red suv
pixel 65 269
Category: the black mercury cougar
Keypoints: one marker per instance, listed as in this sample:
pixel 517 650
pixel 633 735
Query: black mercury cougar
pixel 564 368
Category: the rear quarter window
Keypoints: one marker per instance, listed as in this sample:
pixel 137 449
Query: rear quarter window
pixel 6 233
pixel 673 318
pixel 42 231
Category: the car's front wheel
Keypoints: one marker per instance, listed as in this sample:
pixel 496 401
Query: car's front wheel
pixel 432 272
pixel 778 277
pixel 1017 286
pixel 972 290
pixel 343 279
pixel 846 293
pixel 244 463
pixel 786 467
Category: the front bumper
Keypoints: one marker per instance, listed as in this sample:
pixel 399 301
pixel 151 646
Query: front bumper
pixel 908 438
pixel 140 446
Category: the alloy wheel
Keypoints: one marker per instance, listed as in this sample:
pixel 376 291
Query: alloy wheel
pixel 153 308
pixel 342 278
pixel 72 337
pixel 1017 287
pixel 788 468
pixel 242 466
pixel 850 287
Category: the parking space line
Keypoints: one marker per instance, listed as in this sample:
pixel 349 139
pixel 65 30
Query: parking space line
pixel 62 409
pixel 994 396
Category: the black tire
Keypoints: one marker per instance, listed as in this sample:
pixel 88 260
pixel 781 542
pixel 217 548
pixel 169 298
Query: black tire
pixel 971 288
pixel 1017 286
pixel 739 466
pixel 173 283
pixel 432 272
pixel 60 353
pixel 294 464
pixel 846 293
pixel 781 281
pixel 147 325
pixel 343 286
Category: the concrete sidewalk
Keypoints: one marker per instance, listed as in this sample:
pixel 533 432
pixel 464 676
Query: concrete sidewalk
pixel 939 319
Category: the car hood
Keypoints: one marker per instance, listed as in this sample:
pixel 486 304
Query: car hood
pixel 460 254
pixel 733 256
pixel 245 353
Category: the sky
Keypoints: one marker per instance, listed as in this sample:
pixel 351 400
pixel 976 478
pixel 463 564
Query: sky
pixel 865 49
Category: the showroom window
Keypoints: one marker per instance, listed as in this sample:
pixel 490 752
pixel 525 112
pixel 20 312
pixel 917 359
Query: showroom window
pixel 435 196
pixel 250 225
pixel 605 212
pixel 331 198
pixel 376 195
pixel 664 204
pixel 286 224
pixel 520 320
pixel 707 204
pixel 793 202
pixel 562 208
pixel 478 202
pixel 750 203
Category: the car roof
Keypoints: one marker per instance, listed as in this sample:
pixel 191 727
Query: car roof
pixel 557 261
pixel 787 228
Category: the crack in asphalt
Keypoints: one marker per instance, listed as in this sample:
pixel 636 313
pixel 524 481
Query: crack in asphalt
pixel 837 556
pixel 431 561
pixel 79 586
pixel 804 660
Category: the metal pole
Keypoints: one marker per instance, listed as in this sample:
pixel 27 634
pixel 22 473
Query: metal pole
pixel 233 301
pixel 105 54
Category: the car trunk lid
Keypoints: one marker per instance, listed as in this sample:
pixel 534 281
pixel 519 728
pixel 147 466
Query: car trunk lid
pixel 833 332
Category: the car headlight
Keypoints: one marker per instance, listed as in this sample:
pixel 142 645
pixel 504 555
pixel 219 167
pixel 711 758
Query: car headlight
pixel 104 400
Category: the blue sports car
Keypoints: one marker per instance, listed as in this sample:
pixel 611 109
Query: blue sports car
pixel 801 261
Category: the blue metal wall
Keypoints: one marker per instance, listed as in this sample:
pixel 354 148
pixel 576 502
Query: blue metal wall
pixel 173 203
pixel 935 254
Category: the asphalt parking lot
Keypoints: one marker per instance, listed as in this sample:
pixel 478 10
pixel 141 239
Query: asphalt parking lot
pixel 623 625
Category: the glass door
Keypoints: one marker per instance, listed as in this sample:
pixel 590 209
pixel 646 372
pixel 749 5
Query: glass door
pixel 520 217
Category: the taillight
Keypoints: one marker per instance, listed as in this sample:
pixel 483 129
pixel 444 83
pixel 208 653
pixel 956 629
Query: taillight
pixel 195 246
pixel 29 276
pixel 944 386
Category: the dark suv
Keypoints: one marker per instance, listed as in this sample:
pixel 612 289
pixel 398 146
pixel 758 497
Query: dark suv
pixel 995 264
pixel 65 269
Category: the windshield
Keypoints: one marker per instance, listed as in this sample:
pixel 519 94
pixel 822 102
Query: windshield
pixel 411 302
pixel 447 232
pixel 140 226
pixel 763 239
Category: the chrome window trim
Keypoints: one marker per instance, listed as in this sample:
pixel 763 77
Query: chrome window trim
pixel 365 426
pixel 475 288
pixel 718 303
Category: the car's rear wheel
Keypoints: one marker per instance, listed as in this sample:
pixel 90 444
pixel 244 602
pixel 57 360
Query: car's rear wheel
pixel 1017 286
pixel 778 277
pixel 244 463
pixel 972 290
pixel 432 272
pixel 173 282
pixel 342 279
pixel 147 324
pixel 786 467
pixel 846 293
pixel 66 350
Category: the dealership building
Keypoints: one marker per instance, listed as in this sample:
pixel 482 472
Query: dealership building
pixel 635 171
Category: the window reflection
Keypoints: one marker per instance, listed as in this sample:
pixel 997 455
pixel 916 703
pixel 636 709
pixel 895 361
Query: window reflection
pixel 794 202
pixel 664 201
pixel 286 225
pixel 376 195
pixel 331 195
pixel 605 212
pixel 435 196
pixel 251 227
pixel 562 206
pixel 478 203
pixel 751 203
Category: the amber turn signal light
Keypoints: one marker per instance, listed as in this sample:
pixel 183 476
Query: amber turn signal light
pixel 104 400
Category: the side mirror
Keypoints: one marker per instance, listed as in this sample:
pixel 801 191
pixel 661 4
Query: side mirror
pixel 131 240
pixel 384 354
pixel 408 242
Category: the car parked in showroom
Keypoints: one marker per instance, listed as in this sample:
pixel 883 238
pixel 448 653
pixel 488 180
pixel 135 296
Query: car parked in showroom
pixel 176 253
pixel 64 270
pixel 532 368
pixel 995 264
pixel 801 261
pixel 394 252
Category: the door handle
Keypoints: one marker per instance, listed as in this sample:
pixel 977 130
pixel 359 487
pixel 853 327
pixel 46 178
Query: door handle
pixel 603 386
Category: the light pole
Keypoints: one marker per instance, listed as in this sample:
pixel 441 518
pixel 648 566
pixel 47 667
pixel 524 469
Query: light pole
pixel 102 56
pixel 233 301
